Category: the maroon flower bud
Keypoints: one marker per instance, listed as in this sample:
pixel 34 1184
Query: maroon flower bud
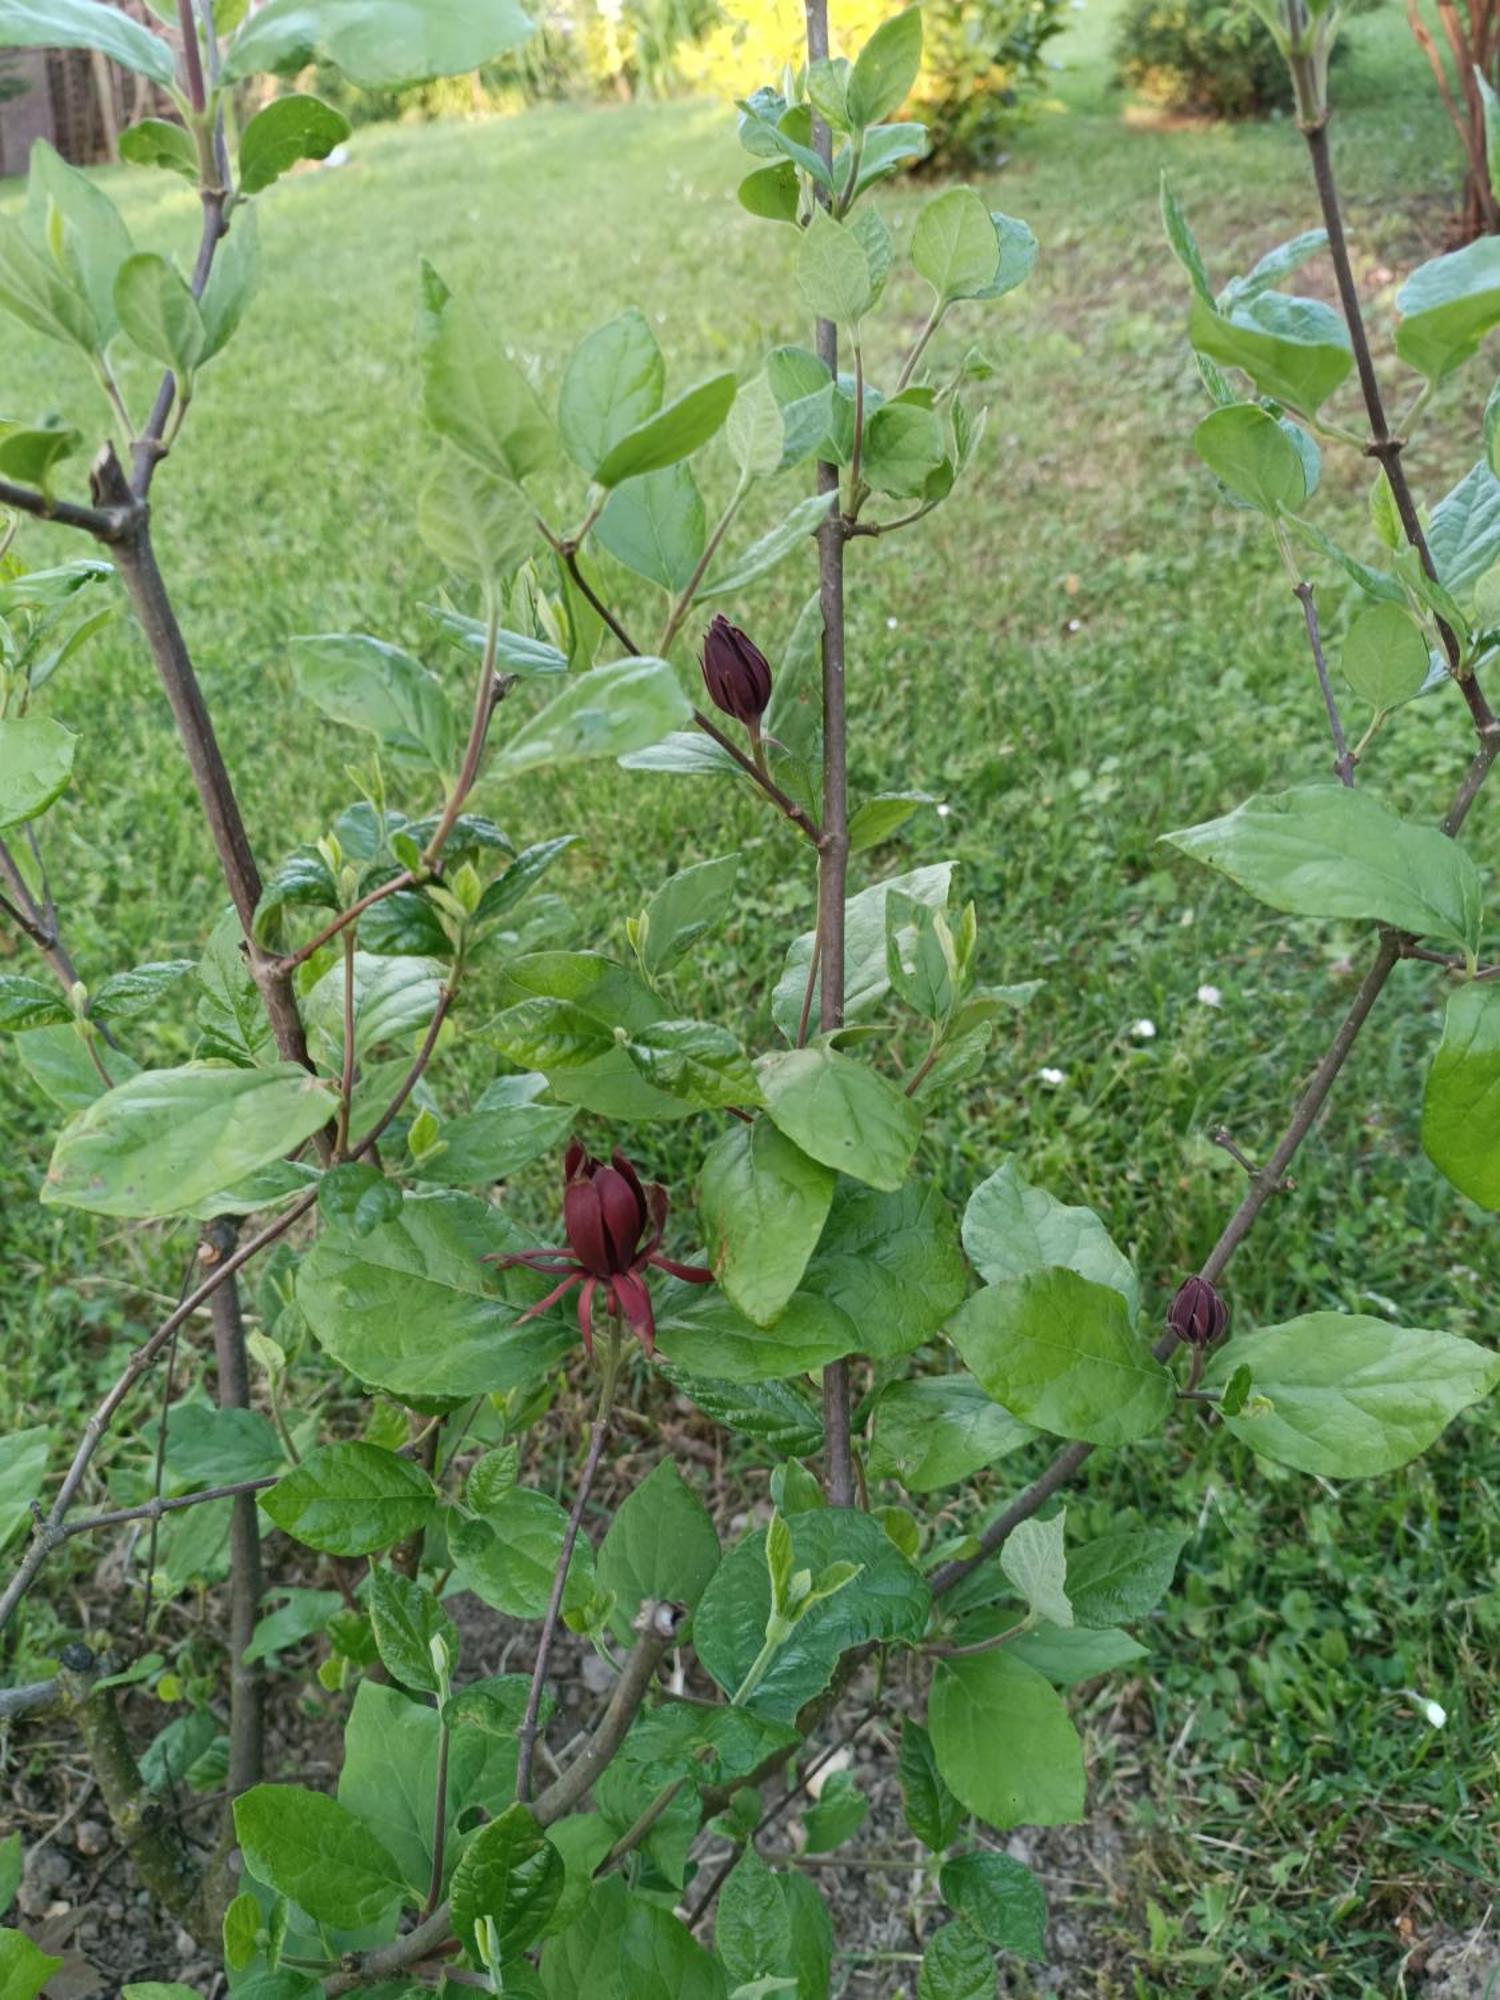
pixel 1197 1314
pixel 736 674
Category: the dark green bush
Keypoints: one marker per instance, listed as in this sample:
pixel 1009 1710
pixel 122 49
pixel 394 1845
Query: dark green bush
pixel 1200 56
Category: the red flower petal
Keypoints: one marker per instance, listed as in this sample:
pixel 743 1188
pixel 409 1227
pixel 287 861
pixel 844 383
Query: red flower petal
pixel 583 1218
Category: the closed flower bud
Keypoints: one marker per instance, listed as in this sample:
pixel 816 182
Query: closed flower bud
pixel 736 674
pixel 1197 1314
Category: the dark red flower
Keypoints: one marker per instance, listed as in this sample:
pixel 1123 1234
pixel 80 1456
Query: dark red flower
pixel 614 1224
pixel 1197 1314
pixel 736 674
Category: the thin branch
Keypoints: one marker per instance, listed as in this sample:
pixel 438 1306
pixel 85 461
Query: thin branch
pixel 479 725
pixel 105 524
pixel 412 1078
pixel 405 880
pixel 684 602
pixel 1343 762
pixel 346 1079
pixel 155 1509
pixel 528 1732
pixel 247 1682
pixel 1382 446
pixel 439 1818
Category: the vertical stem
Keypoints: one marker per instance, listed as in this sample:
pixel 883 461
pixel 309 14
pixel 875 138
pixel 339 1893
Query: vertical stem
pixel 246 1582
pixel 1382 445
pixel 528 1732
pixel 439 1820
pixel 833 842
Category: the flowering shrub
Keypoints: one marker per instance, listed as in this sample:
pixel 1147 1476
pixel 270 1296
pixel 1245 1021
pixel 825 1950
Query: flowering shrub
pixel 841 1317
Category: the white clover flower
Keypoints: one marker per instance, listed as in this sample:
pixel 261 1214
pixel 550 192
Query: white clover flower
pixel 1210 996
pixel 1053 1076
pixel 1143 1030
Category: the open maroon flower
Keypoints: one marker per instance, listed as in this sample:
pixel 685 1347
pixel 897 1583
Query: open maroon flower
pixel 614 1225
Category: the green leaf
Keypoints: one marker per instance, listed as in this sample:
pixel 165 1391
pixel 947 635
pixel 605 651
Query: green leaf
pixel 23 1466
pixel 32 456
pixel 1327 851
pixel 351 1499
pixel 1004 1743
pixel 887 1600
pixel 763 1203
pixel 772 1931
pixel 1249 451
pixel 1035 1560
pixel 1461 1105
pixel 1184 244
pixel 697 1062
pixel 936 1430
pixel 904 445
pixel 378 44
pixel 366 684
pixel 26 1003
pixel 955 245
pixel 407 1619
pixel 763 554
pixel 389 1774
pixel 1385 656
pixel 656 526
pixel 507 1129
pixel 1464 533
pixel 684 909
pixel 1011 1228
pixel 841 1113
pixel 671 434
pixel 1447 306
pixel 231 284
pixel 317 1855
pixel 476 397
pixel 622 1947
pixel 1351 1396
pixel 885 69
pixel 957 1965
pixel 613 383
pixel 169 1139
pixel 1068 1657
pixel 159 313
pixel 771 192
pixel 512 1874
pixel 10 1869
pixel 281 133
pixel 1295 350
pixel 890 1262
pixel 776 1413
pixel 833 271
pixel 510 1558
pixel 866 965
pixel 24 1967
pixel 603 713
pixel 478 524
pixel 932 1812
pixel 409 1308
pixel 125 996
pixel 877 820
pixel 661 1545
pixel 1001 1898
pixel 86 24
pixel 755 430
pixel 209 1447
pixel 1059 1352
pixel 1118 1578
pixel 36 762
pixel 886 148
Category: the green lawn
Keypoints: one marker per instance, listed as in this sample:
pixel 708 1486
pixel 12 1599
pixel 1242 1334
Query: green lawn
pixel 1079 653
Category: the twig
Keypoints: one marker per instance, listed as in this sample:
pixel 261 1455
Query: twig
pixel 105 524
pixel 154 1509
pixel 1343 762
pixel 527 1734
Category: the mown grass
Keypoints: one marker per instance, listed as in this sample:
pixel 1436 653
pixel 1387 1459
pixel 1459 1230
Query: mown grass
pixel 1080 652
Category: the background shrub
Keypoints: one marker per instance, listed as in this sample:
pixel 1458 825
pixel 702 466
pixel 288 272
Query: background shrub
pixel 1200 56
